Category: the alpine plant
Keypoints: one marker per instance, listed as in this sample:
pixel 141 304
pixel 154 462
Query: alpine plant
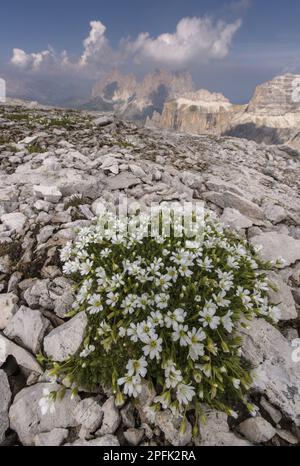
pixel 165 310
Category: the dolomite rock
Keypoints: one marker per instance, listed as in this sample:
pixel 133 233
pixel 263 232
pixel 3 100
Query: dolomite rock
pixel 14 221
pixel 215 431
pixel 123 181
pixel 170 425
pixel 27 327
pixel 26 417
pixel 282 297
pixel 257 430
pixel 275 213
pixel 275 245
pixel 8 307
pixel 276 375
pixel 5 397
pixel 89 414
pixel 23 357
pixel 105 441
pixel 111 418
pixel 48 193
pixel 235 220
pixel 103 121
pixel 66 339
pixel 51 439
pixel 134 436
pixel 229 199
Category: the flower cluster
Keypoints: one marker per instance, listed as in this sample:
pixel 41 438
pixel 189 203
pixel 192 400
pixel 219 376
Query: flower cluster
pixel 165 310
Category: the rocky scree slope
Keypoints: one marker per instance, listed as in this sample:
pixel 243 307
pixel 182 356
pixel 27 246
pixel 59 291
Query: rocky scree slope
pixel 56 168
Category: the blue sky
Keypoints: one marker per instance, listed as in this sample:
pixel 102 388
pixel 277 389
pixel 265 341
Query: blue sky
pixel 266 43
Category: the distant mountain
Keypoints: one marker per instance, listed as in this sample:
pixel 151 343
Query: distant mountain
pixel 137 100
pixel 272 116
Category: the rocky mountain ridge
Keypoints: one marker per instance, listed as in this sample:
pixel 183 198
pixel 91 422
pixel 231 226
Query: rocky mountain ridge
pixel 272 115
pixel 56 169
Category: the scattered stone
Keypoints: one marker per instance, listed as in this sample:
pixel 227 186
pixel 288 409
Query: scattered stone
pixel 170 425
pixel 274 413
pixel 26 416
pixel 215 431
pixel 105 441
pixel 275 246
pixel 134 436
pixel 8 307
pixel 229 199
pixel 23 357
pixel 48 193
pixel 111 418
pixel 55 438
pixel 14 221
pixel 89 414
pixel 5 397
pixel 27 328
pixel 127 415
pixel 234 219
pixel 257 430
pixel 275 213
pixel 66 339
pixel 276 375
pixel 282 297
pixel 287 437
pixel 122 181
pixel 103 121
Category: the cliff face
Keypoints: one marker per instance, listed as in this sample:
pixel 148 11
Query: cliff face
pixel 137 100
pixel 272 116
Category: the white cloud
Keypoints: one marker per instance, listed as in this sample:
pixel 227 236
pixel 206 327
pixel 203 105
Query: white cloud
pixel 195 39
pixel 239 6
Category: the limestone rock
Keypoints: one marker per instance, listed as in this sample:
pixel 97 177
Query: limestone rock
pixel 282 297
pixel 123 181
pixel 231 200
pixel 26 416
pixel 170 425
pixel 276 375
pixel 51 439
pixel 275 245
pixel 235 220
pixel 23 357
pixel 5 396
pixel 111 418
pixel 105 441
pixel 66 339
pixel 27 327
pixel 134 436
pixel 257 430
pixel 89 414
pixel 8 307
pixel 48 193
pixel 275 213
pixel 215 431
pixel 14 221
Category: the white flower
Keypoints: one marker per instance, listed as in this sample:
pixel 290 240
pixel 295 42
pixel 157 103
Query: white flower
pixel 104 328
pixel 86 267
pixel 236 383
pixel 143 301
pixel 46 403
pixel 156 319
pixel 232 263
pixel 95 304
pixel 275 314
pixel 137 367
pixel 172 273
pixel 173 378
pixel 173 319
pixel 244 295
pixel 145 330
pixel 129 303
pixel 220 299
pixel 163 282
pixel 161 300
pixel 153 347
pixel 185 393
pixel 227 322
pixel 205 264
pixel 87 351
pixel 164 400
pixel 112 299
pixel 132 332
pixel 132 385
pixel 208 317
pixel 195 337
pixel 184 271
pixel 181 334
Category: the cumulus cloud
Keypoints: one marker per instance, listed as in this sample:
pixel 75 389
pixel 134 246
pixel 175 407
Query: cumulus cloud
pixel 195 40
